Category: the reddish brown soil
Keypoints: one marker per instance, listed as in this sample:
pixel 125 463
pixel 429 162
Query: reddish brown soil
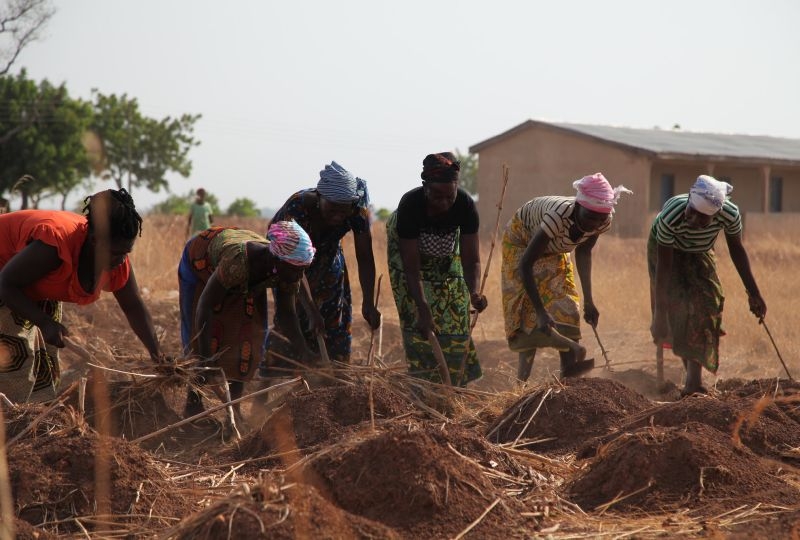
pixel 569 414
pixel 408 479
pixel 53 477
pixel 281 512
pixel 324 415
pixel 763 427
pixel 658 469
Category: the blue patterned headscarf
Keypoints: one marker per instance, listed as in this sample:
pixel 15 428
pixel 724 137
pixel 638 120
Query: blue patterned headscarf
pixel 339 185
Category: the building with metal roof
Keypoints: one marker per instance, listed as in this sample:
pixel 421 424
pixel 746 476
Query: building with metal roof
pixel 545 157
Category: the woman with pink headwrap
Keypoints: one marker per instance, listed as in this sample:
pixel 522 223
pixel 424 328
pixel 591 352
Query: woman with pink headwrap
pixel 538 281
pixel 223 277
pixel 686 294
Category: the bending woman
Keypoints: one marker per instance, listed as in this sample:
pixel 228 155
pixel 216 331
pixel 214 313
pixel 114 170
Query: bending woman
pixel 223 277
pixel 538 280
pixel 48 257
pixel 685 290
pixel 434 264
pixel 338 205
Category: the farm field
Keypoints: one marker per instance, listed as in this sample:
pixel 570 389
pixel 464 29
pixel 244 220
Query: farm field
pixel 606 456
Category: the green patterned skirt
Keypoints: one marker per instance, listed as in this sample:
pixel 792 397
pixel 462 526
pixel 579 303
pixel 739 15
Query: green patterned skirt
pixel 448 297
pixel 695 304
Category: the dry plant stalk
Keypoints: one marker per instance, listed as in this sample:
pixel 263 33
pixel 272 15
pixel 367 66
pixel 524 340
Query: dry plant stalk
pixel 474 320
pixel 7 531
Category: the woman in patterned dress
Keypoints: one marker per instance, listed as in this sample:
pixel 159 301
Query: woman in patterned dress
pixel 434 267
pixel 338 205
pixel 48 257
pixel 223 277
pixel 686 293
pixel 538 281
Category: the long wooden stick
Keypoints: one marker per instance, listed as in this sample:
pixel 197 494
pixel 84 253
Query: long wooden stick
pixel 323 350
pixel 474 320
pixel 215 409
pixel 7 529
pixel 764 324
pixel 444 371
pixel 371 353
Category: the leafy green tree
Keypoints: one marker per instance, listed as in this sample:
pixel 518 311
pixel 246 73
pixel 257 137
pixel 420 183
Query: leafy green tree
pixel 137 150
pixel 41 135
pixel 382 214
pixel 243 207
pixel 468 177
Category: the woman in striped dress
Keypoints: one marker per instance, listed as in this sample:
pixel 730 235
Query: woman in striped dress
pixel 686 294
pixel 538 281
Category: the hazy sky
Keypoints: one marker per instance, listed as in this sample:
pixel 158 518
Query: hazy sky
pixel 285 87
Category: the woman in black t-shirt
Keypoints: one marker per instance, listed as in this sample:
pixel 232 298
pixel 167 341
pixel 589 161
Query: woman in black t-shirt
pixel 434 265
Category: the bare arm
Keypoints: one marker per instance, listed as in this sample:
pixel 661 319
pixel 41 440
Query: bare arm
pixel 366 277
pixel 286 314
pixel 742 264
pixel 583 260
pixel 26 268
pixel 130 301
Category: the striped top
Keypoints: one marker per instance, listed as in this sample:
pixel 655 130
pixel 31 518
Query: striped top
pixel 553 215
pixel 670 228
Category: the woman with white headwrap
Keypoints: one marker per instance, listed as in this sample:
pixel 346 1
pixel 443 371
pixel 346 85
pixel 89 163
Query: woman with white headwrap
pixel 223 277
pixel 538 281
pixel 339 204
pixel 686 294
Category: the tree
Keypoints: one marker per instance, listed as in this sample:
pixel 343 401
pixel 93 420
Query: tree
pixel 42 137
pixel 468 177
pixel 243 207
pixel 20 23
pixel 382 214
pixel 140 151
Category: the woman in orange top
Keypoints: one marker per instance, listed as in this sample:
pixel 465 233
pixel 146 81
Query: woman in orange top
pixel 48 257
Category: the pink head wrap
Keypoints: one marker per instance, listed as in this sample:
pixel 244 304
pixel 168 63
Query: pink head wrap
pixel 596 194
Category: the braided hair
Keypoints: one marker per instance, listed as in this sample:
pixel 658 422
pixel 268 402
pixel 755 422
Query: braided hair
pixel 117 207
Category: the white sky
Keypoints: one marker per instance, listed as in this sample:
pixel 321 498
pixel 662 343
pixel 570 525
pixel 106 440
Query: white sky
pixel 287 86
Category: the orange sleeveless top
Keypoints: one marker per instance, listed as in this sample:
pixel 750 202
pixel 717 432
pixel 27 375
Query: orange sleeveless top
pixel 65 231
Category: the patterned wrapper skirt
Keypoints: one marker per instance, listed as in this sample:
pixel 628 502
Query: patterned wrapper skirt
pixel 695 304
pixel 448 297
pixel 29 370
pixel 238 328
pixel 555 281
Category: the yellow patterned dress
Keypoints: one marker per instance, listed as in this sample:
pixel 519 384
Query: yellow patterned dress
pixel 553 273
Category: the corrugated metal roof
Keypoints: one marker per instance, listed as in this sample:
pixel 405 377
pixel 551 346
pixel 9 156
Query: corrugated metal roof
pixel 671 142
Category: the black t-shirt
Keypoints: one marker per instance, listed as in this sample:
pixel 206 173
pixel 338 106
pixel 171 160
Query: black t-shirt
pixel 436 234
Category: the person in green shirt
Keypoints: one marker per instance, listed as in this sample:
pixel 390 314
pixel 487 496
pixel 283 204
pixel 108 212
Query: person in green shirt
pixel 200 216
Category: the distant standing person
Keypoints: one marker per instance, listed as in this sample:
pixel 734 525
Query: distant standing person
pixel 338 205
pixel 48 257
pixel 538 279
pixel 686 293
pixel 200 214
pixel 223 277
pixel 434 268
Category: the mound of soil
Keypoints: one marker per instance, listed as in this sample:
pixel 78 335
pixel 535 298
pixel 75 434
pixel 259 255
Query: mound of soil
pixel 53 478
pixel 280 512
pixel 321 415
pixel 761 426
pixel 759 387
pixel 407 479
pixel 26 531
pixel 569 414
pixel 658 469
pixel 20 417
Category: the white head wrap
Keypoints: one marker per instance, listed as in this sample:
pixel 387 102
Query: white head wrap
pixel 708 194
